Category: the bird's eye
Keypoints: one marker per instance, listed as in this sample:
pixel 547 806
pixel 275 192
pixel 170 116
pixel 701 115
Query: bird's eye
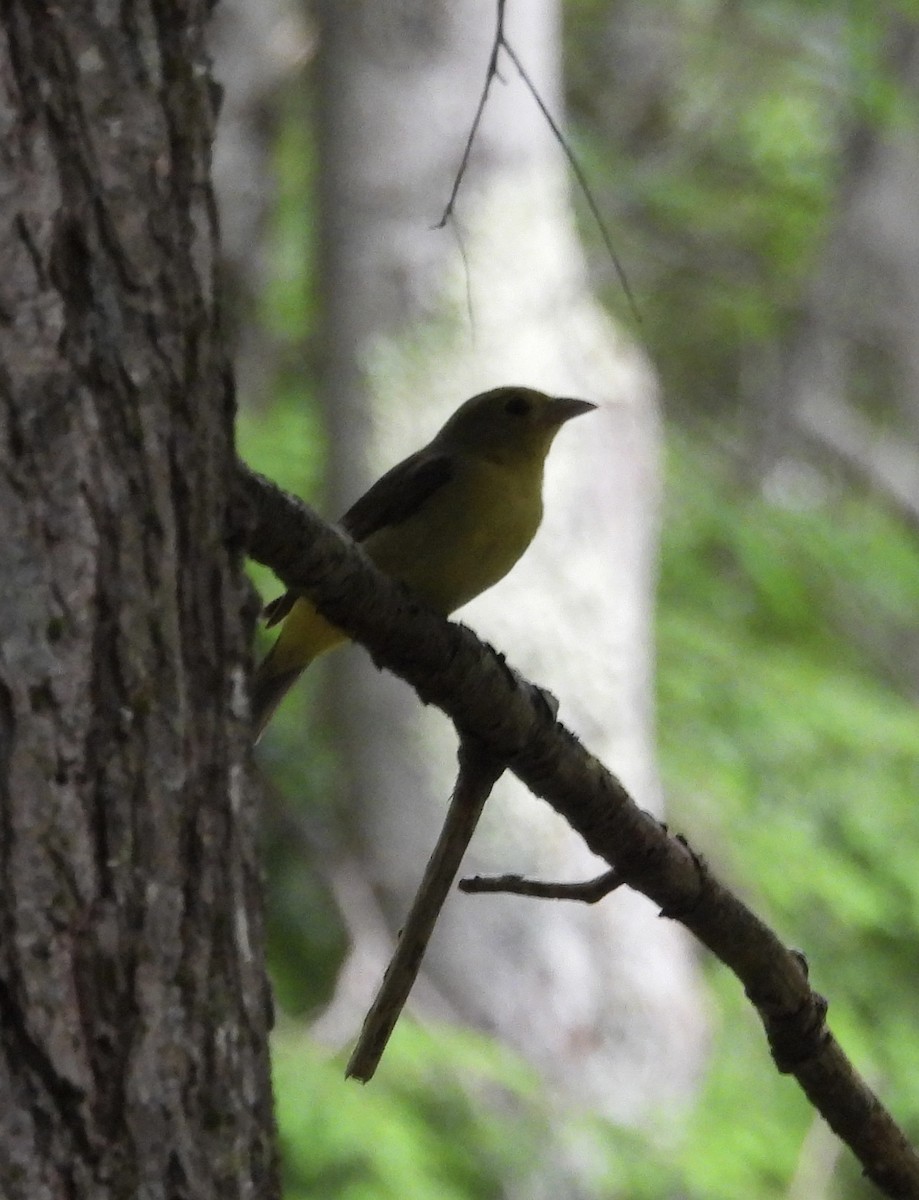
pixel 517 406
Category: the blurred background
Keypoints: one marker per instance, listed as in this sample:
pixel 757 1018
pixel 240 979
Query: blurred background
pixel 724 596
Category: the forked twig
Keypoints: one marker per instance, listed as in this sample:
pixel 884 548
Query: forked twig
pixel 501 43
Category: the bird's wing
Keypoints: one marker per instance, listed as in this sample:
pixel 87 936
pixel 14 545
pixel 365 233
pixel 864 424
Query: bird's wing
pixel 398 494
pixel 394 498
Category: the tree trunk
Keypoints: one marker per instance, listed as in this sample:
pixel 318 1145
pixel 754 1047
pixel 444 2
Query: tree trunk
pixel 418 319
pixel 133 1003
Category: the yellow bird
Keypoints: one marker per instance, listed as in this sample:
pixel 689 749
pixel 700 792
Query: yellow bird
pixel 449 521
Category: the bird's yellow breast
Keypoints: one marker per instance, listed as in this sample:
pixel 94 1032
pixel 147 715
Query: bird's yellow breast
pixel 467 535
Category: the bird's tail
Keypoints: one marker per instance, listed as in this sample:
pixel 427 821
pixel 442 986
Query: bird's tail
pixel 269 687
pixel 304 636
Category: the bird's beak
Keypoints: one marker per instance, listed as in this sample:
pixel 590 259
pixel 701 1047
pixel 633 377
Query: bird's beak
pixel 564 409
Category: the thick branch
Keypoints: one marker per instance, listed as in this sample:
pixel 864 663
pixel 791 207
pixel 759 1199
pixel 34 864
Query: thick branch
pixel 448 666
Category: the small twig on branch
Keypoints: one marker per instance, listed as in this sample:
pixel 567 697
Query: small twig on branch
pixel 478 773
pixel 588 892
pixel 501 43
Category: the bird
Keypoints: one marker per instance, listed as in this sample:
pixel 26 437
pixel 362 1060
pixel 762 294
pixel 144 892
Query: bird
pixel 448 522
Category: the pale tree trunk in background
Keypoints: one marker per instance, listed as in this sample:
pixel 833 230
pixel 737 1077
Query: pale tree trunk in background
pixel 134 1011
pixel 603 1000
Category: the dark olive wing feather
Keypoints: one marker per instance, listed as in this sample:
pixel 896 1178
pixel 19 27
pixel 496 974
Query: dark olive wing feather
pixel 398 494
pixel 394 498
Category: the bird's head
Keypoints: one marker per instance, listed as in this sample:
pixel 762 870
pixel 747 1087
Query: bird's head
pixel 510 423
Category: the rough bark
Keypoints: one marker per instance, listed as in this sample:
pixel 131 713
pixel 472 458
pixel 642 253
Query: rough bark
pixel 133 1004
pixel 410 334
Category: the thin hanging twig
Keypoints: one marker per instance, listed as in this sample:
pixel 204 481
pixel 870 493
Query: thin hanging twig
pixel 501 43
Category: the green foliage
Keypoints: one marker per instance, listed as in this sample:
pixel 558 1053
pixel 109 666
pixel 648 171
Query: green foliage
pixel 283 440
pixel 791 750
pixel 452 1117
pixel 280 433
pixel 289 302
pixel 715 132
